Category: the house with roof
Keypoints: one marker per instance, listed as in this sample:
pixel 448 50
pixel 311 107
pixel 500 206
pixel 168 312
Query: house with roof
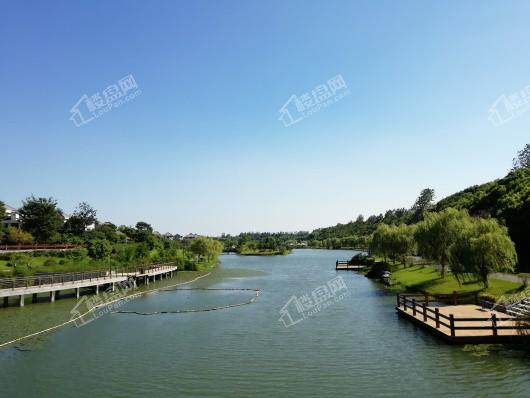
pixel 11 217
pixel 189 237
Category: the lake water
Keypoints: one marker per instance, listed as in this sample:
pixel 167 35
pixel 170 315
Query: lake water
pixel 354 346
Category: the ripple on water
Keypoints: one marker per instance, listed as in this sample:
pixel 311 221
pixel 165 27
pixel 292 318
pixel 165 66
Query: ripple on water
pixel 355 347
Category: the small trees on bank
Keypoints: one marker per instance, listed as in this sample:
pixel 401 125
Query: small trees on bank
pixel 483 247
pixel 437 232
pixel 393 242
pixel 17 236
pixel 470 246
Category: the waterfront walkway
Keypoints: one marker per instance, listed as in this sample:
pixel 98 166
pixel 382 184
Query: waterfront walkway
pixel 52 284
pixel 342 265
pixel 467 321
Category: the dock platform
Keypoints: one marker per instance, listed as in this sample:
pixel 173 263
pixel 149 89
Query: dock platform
pixel 469 323
pixel 341 265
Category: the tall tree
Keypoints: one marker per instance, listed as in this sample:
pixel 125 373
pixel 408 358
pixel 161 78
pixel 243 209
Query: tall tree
pixel 393 241
pixel 206 248
pixel 84 215
pixel 107 231
pixel 41 217
pixel 522 160
pixel 144 233
pixel 483 247
pixel 437 232
pixel 423 203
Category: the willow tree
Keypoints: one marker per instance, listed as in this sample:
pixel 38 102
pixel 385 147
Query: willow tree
pixel 437 232
pixel 393 241
pixel 482 248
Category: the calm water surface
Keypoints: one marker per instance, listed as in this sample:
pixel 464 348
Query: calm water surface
pixel 354 347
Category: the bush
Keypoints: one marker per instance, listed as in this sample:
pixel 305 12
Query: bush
pixel 100 249
pixel 19 260
pixel 377 270
pixel 50 262
pixel 16 236
pixel 78 254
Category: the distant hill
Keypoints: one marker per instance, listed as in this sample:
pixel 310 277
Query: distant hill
pixel 508 200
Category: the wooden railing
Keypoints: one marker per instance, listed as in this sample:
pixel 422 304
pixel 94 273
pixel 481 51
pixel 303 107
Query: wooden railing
pixel 60 278
pixel 41 246
pixel 419 304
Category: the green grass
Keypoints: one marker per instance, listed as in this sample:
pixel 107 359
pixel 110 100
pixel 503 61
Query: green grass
pixel 264 252
pixel 427 279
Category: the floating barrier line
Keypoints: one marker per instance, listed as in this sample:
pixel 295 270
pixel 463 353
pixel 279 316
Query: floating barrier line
pixel 95 308
pixel 257 291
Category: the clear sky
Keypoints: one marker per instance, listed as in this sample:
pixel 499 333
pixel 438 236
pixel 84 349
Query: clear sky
pixel 202 149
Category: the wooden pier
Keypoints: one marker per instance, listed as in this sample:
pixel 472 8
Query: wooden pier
pixel 467 321
pixel 342 265
pixel 52 284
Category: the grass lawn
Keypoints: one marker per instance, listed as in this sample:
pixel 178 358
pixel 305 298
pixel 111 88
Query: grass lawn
pixel 427 279
pixel 263 252
pixel 59 265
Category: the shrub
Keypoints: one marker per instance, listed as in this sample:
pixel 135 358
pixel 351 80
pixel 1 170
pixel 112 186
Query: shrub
pixel 78 254
pixel 100 249
pixel 50 262
pixel 16 236
pixel 377 270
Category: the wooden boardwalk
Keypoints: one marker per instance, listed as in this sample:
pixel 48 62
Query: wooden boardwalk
pixel 462 323
pixel 52 284
pixel 341 265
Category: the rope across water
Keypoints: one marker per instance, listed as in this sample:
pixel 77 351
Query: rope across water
pixel 128 297
pixel 256 291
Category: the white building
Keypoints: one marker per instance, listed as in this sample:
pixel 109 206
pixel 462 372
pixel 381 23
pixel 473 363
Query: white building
pixel 12 217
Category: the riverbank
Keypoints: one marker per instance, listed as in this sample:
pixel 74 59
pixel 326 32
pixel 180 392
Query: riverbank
pixel 356 335
pixel 420 278
pixel 264 253
pixel 45 315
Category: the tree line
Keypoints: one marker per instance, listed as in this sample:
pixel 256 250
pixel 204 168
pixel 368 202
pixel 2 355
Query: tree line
pixel 99 244
pixel 507 200
pixel 473 247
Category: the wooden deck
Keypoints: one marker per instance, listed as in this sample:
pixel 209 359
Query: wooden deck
pixel 462 323
pixel 346 266
pixel 52 284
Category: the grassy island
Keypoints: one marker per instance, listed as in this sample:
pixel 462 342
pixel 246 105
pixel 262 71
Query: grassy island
pixel 265 252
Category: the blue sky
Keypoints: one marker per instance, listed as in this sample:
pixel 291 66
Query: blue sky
pixel 201 149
